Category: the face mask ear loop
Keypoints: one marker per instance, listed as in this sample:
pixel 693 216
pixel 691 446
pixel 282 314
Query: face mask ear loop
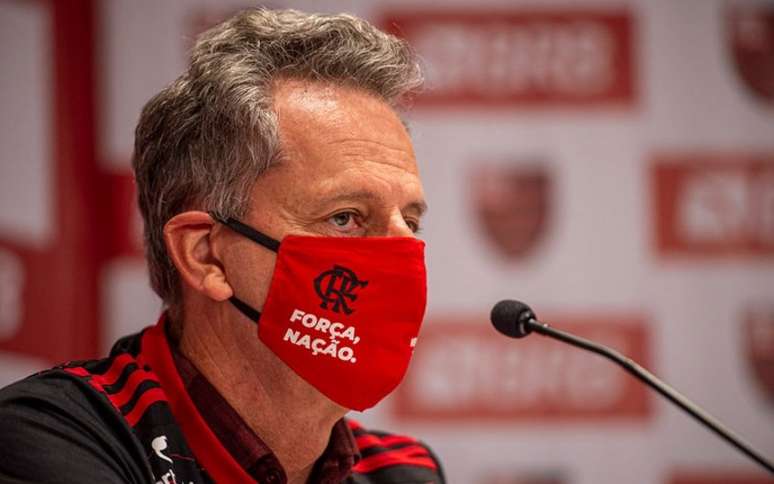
pixel 252 314
pixel 249 232
pixel 244 308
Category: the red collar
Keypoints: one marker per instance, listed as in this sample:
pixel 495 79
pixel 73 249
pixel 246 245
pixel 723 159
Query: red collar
pixel 217 461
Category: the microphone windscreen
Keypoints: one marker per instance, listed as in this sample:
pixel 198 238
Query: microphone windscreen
pixel 509 317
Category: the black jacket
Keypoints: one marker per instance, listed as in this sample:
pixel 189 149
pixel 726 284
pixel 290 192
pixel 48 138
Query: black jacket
pixel 127 419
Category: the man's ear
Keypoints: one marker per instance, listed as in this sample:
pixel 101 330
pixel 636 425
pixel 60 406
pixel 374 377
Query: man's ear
pixel 189 239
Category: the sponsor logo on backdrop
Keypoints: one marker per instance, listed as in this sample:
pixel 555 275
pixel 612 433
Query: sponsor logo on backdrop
pixel 751 38
pixel 759 346
pixel 11 287
pixel 717 476
pixel 713 205
pixel 464 370
pixel 513 205
pixel 537 58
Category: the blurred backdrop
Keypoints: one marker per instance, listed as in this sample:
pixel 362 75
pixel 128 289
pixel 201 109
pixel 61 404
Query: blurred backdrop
pixel 609 162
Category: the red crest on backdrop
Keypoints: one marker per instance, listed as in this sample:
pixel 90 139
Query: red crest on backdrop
pixel 751 38
pixel 759 346
pixel 513 205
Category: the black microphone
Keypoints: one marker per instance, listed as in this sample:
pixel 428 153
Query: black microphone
pixel 517 320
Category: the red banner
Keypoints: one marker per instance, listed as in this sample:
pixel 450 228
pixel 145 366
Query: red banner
pixel 464 370
pixel 530 58
pixel 719 477
pixel 714 205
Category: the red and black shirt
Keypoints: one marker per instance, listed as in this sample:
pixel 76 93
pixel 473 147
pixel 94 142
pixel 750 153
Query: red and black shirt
pixel 145 414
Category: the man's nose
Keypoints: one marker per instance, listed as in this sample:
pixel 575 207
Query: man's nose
pixel 398 227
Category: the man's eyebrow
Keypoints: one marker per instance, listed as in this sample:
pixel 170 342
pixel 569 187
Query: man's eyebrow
pixel 419 206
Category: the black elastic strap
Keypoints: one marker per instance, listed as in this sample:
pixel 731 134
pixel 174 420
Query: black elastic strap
pixel 244 308
pixel 252 314
pixel 248 232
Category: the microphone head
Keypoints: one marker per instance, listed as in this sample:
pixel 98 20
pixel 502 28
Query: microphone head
pixel 510 318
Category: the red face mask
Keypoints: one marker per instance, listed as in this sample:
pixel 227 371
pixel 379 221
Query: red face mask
pixel 342 312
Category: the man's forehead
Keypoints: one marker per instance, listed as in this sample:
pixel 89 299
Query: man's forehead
pixel 318 120
pixel 312 96
pixel 349 110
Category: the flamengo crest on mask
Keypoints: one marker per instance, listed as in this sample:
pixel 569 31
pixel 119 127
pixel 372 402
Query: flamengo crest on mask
pixel 336 286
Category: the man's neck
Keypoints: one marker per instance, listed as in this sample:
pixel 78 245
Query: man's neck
pixel 289 415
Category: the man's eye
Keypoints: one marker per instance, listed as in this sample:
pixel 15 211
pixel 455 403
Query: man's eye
pixel 343 219
pixel 414 226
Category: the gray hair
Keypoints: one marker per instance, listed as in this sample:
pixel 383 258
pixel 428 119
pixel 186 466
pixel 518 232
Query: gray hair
pixel 202 142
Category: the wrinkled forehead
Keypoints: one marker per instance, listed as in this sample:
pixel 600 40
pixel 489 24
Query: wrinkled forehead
pixel 316 117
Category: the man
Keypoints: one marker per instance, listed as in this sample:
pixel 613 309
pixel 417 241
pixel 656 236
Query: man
pixel 280 196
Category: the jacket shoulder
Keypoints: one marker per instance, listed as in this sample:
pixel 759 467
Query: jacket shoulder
pixel 393 458
pixel 54 423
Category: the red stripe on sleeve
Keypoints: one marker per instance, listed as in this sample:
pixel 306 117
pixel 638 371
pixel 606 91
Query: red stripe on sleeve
pixel 367 441
pixel 83 372
pixel 354 424
pixel 121 398
pixel 77 371
pixel 146 400
pixel 111 376
pixel 414 455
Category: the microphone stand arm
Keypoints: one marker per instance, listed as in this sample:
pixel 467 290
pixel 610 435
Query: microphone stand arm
pixel 654 382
